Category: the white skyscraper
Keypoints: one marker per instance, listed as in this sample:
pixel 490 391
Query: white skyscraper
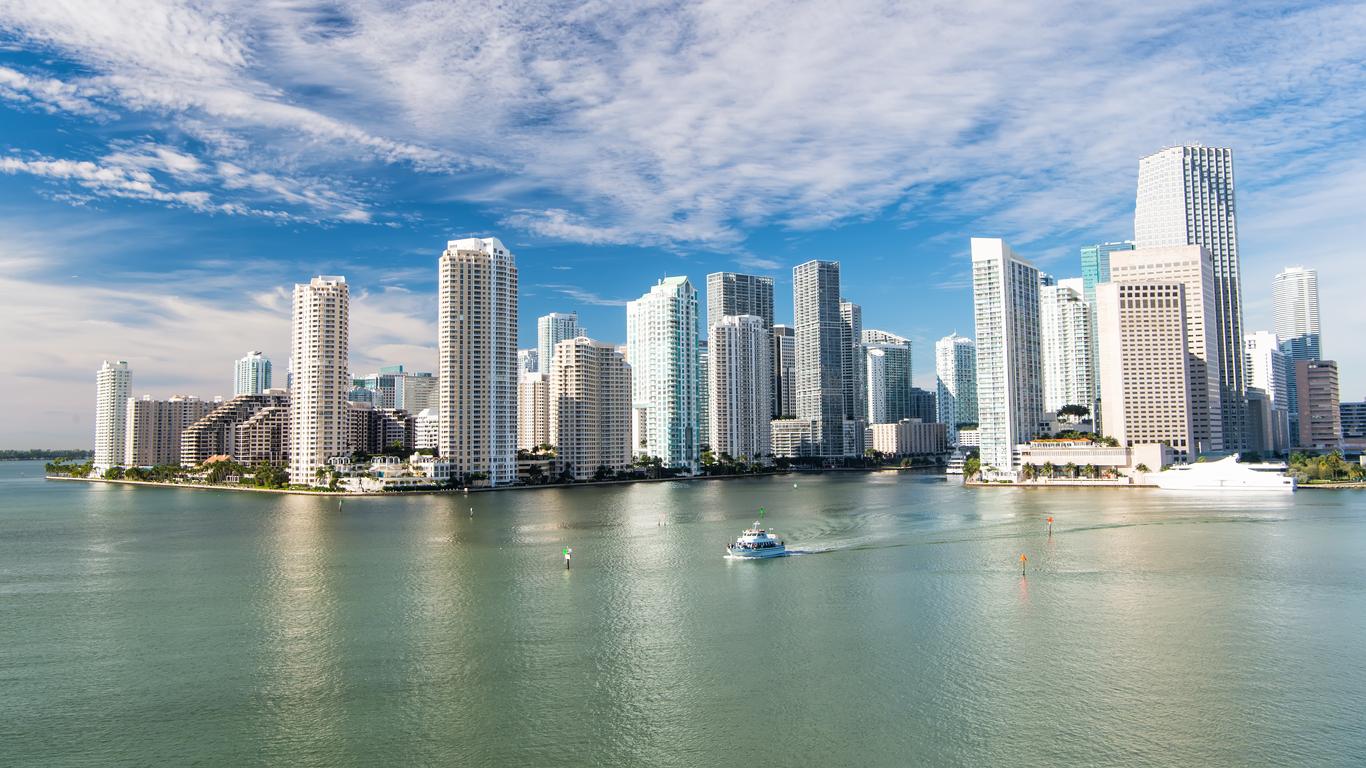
pixel 1186 197
pixel 1269 370
pixel 820 346
pixel 1005 298
pixel 887 370
pixel 251 374
pixel 740 377
pixel 661 344
pixel 477 356
pixel 955 369
pixel 114 385
pixel 1295 296
pixel 1191 266
pixel 1065 337
pixel 319 417
pixel 552 329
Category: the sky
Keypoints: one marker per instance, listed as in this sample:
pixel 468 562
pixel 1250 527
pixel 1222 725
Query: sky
pixel 168 170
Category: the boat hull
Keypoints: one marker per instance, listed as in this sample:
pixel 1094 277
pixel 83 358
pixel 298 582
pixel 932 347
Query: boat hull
pixel 756 554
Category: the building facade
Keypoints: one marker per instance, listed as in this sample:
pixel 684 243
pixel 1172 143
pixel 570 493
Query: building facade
pixel 251 374
pixel 661 342
pixel 1065 338
pixel 784 372
pixel 1320 422
pixel 477 353
pixel 703 395
pixel 1005 297
pixel 590 409
pixel 955 369
pixel 740 379
pixel 319 351
pixel 552 329
pixel 887 369
pixel 221 432
pixel 1269 371
pixel 154 428
pixel 529 361
pixel 533 411
pixel 732 293
pixel 819 335
pixel 113 387
pixel 855 376
pixel 1295 303
pixel 1095 266
pixel 908 437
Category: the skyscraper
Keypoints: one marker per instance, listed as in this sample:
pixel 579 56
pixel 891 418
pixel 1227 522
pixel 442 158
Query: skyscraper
pixel 1295 298
pixel 1066 335
pixel 1095 266
pixel 703 395
pixel 114 385
pixel 477 353
pixel 1192 267
pixel 887 367
pixel 661 343
pixel 552 329
pixel 533 411
pixel 1269 370
pixel 855 377
pixel 1320 419
pixel 732 293
pixel 319 418
pixel 590 408
pixel 740 380
pixel 155 428
pixel 820 353
pixel 784 372
pixel 955 368
pixel 528 361
pixel 251 374
pixel 1005 298
pixel 1186 197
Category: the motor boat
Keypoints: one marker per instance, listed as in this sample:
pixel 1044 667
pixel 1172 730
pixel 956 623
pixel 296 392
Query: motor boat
pixel 757 543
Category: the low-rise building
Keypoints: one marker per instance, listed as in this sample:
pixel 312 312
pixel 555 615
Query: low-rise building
pixel 793 437
pixel 908 437
pixel 1117 460
pixel 969 437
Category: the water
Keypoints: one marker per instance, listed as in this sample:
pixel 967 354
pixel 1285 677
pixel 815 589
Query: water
pixel 172 627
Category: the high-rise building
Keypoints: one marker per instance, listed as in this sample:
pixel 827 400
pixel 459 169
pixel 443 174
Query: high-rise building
pixel 955 368
pixel 417 391
pixel 426 429
pixel 887 366
pixel 1005 298
pixel 923 406
pixel 1295 299
pixel 1066 335
pixel 1269 370
pixel 731 293
pixel 552 329
pixel 1186 197
pixel 319 417
pixel 248 429
pixel 590 409
pixel 114 384
pixel 784 372
pixel 1144 363
pixel 855 376
pixel 819 334
pixel 528 361
pixel 477 350
pixel 383 386
pixel 739 378
pixel 1191 266
pixel 533 411
pixel 703 395
pixel 155 427
pixel 1095 266
pixel 1320 415
pixel 661 342
pixel 251 374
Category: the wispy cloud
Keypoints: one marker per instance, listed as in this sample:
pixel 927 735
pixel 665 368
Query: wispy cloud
pixel 582 295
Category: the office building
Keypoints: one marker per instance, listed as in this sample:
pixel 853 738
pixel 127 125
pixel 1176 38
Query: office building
pixel 590 409
pixel 1065 337
pixel 955 369
pixel 552 329
pixel 113 387
pixel 416 391
pixel 1295 302
pixel 1186 197
pixel 1270 371
pixel 819 335
pixel 731 293
pixel 887 371
pixel 477 353
pixel 1192 267
pixel 528 361
pixel 251 374
pixel 1144 364
pixel 784 372
pixel 1353 418
pixel 739 378
pixel 1095 266
pixel 923 406
pixel 855 379
pixel 533 411
pixel 154 428
pixel 1005 297
pixel 319 350
pixel 1320 420
pixel 661 342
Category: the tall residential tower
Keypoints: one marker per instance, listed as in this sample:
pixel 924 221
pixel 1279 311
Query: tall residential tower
pixel 319 418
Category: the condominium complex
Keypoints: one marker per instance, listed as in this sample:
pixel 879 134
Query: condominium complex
pixel 1144 363
pixel 248 429
pixel 1269 371
pixel 661 343
pixel 1192 267
pixel 784 372
pixel 552 329
pixel 251 374
pixel 887 367
pixel 1186 197
pixel 819 333
pixel 319 350
pixel 114 384
pixel 1295 303
pixel 1320 422
pixel 955 368
pixel 731 293
pixel 477 354
pixel 533 411
pixel 154 428
pixel 739 379
pixel 1005 297
pixel 855 376
pixel 1066 335
pixel 590 408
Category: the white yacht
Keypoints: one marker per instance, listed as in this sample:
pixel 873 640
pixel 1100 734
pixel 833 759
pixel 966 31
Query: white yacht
pixel 1226 474
pixel 756 542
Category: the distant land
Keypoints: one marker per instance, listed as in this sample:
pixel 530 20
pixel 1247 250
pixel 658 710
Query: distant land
pixel 46 453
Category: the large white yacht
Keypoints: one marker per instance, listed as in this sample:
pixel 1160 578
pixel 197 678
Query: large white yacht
pixel 1226 474
pixel 756 542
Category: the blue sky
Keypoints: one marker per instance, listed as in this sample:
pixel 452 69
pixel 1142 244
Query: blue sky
pixel 169 170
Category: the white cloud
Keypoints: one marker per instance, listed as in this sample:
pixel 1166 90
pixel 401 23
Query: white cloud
pixel 583 295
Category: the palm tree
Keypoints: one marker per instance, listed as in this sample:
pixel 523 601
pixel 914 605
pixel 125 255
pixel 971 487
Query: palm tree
pixel 1142 468
pixel 1048 469
pixel 1027 472
pixel 1071 469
